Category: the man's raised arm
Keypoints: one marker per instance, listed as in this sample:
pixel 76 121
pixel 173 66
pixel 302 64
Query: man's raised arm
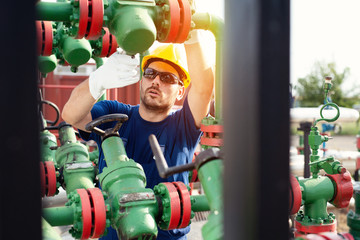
pixel 202 78
pixel 118 71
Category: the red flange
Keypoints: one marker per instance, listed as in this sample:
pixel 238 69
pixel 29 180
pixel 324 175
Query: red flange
pixel 347 236
pixel 42 179
pixel 113 45
pixel 344 188
pixel 185 204
pixel 105 43
pixel 48 42
pixel 44 38
pixel 295 195
pixel 86 213
pixel 98 212
pixel 83 18
pixel 96 9
pixel 174 21
pixel 311 237
pixel 212 135
pixel 39 37
pixel 50 174
pixel 307 229
pixel 185 21
pixel 175 205
pixel 330 236
pixel 357 163
pixel 194 176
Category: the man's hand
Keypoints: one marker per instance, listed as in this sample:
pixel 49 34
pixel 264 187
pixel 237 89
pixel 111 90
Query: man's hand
pixel 119 70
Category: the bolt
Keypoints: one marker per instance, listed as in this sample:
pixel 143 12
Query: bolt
pixel 166 8
pixel 319 221
pixel 166 24
pixel 166 202
pixel 76 198
pixel 156 190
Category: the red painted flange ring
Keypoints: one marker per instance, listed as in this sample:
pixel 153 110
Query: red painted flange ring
pixel 98 212
pixel 185 21
pixel 51 178
pixel 48 41
pixel 86 213
pixel 83 18
pixel 331 236
pixel 174 21
pixel 42 179
pixel 295 195
pixel 344 189
pixel 315 228
pixel 348 236
pixel 312 237
pixel 175 206
pixel 105 43
pixel 39 37
pixel 185 204
pixel 212 128
pixel 215 142
pixel 113 45
pixel 97 18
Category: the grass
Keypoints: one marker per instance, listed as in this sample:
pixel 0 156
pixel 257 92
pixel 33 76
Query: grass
pixel 346 129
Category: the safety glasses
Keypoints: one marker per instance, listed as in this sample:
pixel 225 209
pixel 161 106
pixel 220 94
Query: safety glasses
pixel 165 77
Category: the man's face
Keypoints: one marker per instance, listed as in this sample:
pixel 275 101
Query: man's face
pixel 158 95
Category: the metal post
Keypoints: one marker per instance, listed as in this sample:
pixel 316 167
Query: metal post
pixel 256 119
pixel 20 200
pixel 306 127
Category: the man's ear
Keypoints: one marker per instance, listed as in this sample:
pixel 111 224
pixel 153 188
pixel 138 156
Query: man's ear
pixel 181 93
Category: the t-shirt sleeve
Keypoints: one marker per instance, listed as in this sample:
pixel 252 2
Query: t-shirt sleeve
pixel 103 108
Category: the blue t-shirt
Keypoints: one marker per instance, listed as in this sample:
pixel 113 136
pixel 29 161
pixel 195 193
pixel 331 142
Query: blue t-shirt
pixel 177 135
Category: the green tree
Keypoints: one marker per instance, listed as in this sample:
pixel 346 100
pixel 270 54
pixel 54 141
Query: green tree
pixel 310 88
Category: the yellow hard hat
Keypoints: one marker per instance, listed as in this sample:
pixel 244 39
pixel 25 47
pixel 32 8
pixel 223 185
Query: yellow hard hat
pixel 170 54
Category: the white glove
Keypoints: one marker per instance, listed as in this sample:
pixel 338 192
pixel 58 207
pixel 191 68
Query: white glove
pixel 119 70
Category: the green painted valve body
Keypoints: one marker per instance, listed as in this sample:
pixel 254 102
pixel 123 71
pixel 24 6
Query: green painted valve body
pixel 316 193
pixel 132 23
pixel 133 207
pixel 210 176
pixel 73 158
pixel 47 143
pixel 47 64
pixel 353 218
pixel 76 52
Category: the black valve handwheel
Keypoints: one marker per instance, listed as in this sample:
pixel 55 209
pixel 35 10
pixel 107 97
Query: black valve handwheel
pixel 53 105
pixel 120 118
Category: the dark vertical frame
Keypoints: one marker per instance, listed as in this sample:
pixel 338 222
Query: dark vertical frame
pixel 256 119
pixel 20 201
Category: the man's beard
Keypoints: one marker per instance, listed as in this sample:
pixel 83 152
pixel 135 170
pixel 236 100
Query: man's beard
pixel 153 106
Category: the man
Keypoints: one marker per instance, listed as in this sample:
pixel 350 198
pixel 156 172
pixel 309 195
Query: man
pixel 164 81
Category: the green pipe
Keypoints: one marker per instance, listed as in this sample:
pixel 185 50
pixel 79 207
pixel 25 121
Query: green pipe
pixel 99 62
pixel 59 216
pixel 199 203
pixel 114 151
pixel 48 233
pixel 73 158
pixel 81 179
pixel 215 25
pixel 47 140
pixel 210 176
pixel 54 11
